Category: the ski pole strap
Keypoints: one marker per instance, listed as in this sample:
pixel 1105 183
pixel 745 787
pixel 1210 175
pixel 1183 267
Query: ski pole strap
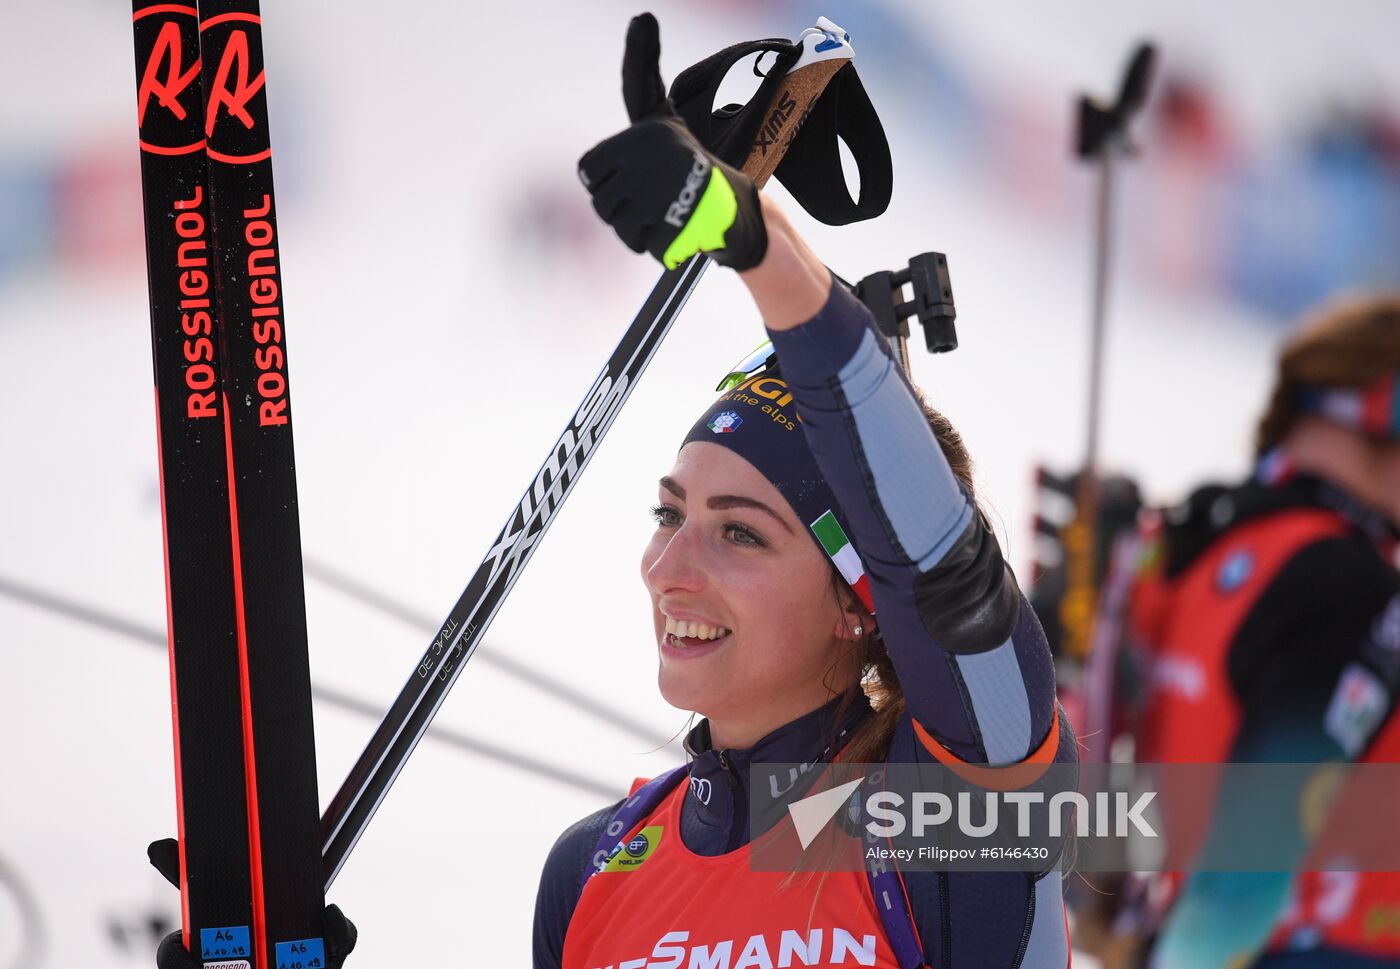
pixel 730 132
pixel 812 173
pixel 1103 127
pixel 811 169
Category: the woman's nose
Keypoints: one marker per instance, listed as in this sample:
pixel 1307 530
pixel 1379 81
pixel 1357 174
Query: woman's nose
pixel 678 567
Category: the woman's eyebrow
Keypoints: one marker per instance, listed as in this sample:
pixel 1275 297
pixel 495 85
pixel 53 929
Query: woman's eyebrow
pixel 723 502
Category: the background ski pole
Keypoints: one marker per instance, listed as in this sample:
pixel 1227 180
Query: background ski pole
pixel 1091 617
pixel 824 51
pixel 1103 140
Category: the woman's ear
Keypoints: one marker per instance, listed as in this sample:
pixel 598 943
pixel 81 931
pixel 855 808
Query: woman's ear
pixel 853 623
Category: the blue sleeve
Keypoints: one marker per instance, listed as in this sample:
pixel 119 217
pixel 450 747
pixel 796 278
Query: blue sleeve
pixel 561 883
pixel 972 659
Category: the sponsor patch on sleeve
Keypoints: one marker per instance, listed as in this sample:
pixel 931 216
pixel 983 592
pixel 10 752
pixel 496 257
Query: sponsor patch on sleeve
pixel 1358 706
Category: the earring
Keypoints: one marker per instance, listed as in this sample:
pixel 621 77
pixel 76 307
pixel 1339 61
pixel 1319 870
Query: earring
pixel 859 630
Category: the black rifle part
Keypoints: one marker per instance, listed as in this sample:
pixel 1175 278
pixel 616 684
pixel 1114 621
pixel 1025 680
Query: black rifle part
pixel 931 301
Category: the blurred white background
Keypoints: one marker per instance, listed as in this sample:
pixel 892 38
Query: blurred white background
pixel 450 296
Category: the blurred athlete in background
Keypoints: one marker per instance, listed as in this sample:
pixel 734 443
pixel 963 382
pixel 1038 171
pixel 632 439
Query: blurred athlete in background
pixel 1268 622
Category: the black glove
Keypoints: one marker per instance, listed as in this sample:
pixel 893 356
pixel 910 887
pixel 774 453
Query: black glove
pixel 655 184
pixel 340 933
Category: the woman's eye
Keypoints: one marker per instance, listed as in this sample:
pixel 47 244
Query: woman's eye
pixel 666 516
pixel 740 535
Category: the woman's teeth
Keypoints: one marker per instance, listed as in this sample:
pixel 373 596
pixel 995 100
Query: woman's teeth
pixel 680 629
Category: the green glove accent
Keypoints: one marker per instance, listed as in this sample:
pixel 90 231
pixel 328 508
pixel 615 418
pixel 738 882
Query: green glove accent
pixel 704 230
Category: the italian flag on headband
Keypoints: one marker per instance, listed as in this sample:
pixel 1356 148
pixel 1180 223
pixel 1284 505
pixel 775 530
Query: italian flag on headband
pixel 833 538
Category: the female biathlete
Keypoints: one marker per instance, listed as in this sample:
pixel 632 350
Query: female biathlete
pixel 802 505
pixel 1269 616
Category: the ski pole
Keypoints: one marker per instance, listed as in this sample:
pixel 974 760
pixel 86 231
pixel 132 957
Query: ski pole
pixel 537 679
pixel 824 50
pixel 1102 139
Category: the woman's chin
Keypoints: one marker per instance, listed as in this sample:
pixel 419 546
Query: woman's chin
pixel 685 692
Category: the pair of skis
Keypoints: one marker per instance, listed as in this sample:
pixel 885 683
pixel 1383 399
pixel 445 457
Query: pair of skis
pixel 250 872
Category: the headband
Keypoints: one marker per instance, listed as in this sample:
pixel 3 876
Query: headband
pixel 758 421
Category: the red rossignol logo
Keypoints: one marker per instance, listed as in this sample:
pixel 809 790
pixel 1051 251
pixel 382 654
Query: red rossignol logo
pixel 168 105
pixel 235 115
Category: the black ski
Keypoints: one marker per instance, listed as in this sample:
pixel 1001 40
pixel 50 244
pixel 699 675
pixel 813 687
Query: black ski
pixel 279 742
pixel 215 881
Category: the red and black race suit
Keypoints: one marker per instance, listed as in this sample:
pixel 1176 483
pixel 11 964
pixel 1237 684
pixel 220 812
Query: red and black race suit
pixel 1268 625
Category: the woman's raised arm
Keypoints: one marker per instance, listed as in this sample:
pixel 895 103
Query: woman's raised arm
pixel 976 671
pixel 791 284
pixel 972 659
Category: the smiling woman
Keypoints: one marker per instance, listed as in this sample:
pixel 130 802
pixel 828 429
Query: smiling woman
pixel 823 585
pixel 730 554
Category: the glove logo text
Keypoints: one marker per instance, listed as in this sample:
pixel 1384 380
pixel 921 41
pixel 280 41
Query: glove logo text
pixel 678 211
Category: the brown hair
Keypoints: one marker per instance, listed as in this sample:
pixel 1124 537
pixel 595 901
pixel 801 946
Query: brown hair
pixel 1348 343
